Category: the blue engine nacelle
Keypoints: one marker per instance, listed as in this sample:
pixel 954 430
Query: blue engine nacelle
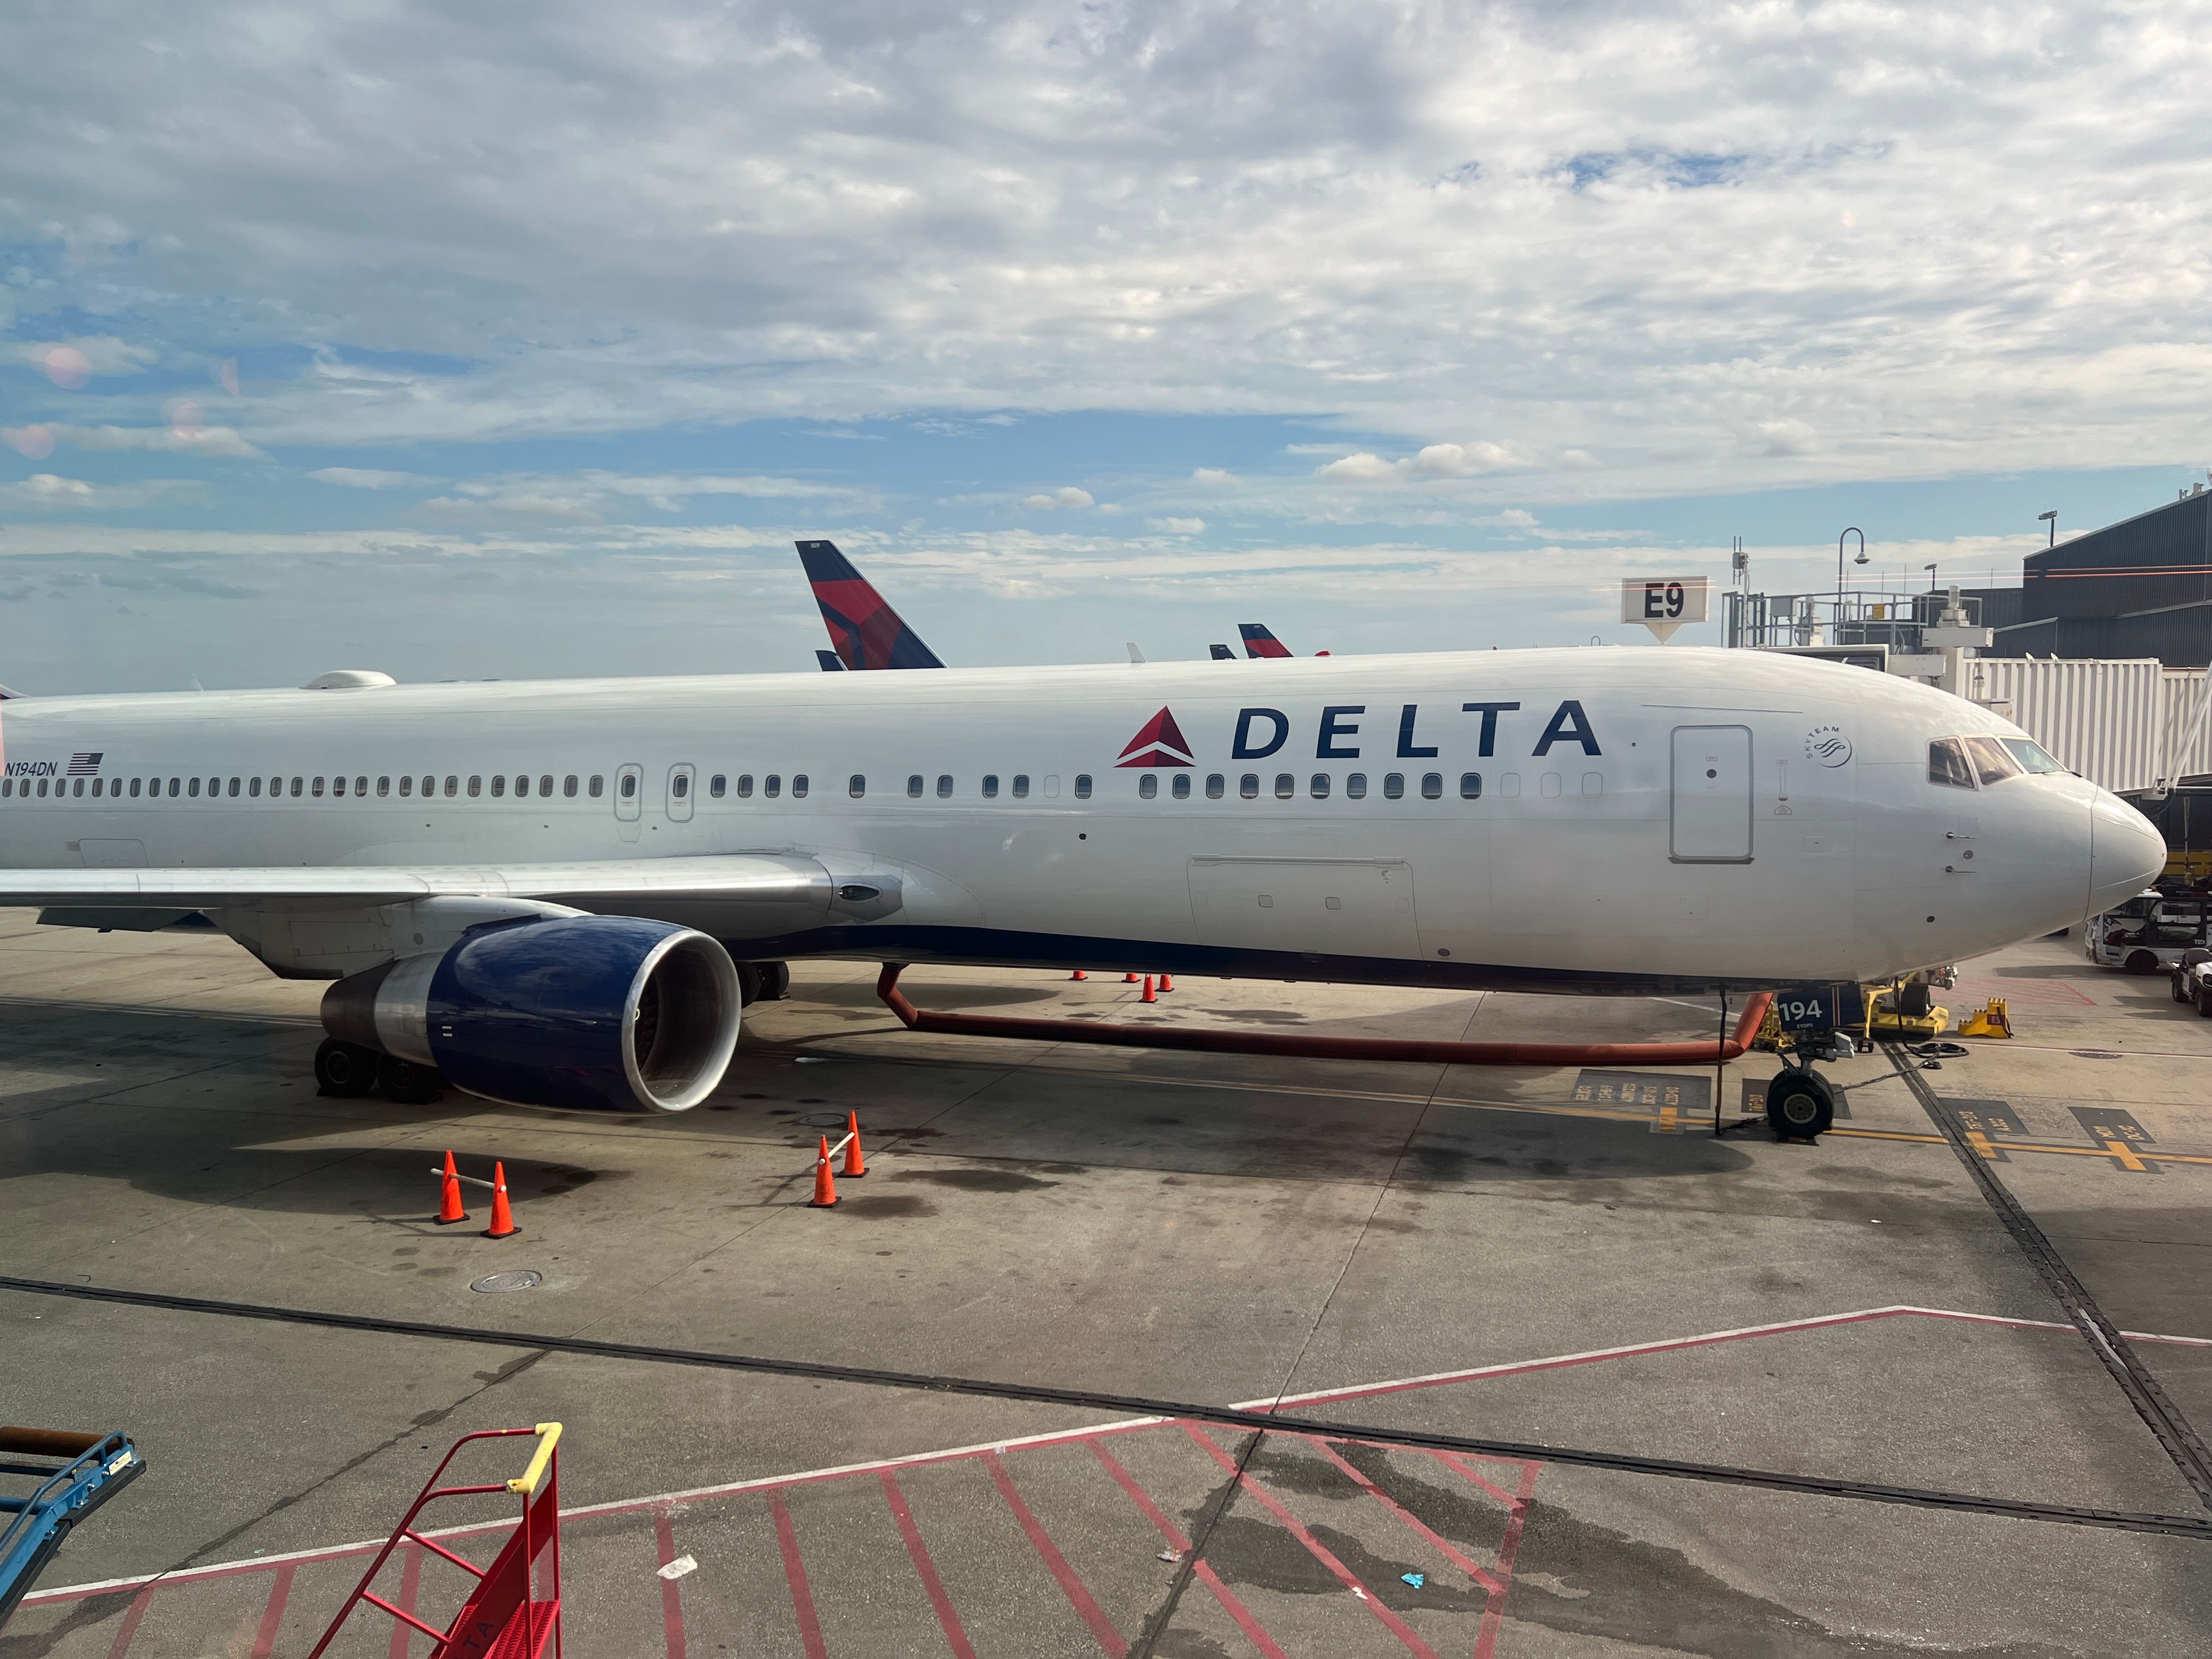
pixel 607 1013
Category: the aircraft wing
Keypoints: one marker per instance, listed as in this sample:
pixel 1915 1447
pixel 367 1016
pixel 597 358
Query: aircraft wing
pixel 626 885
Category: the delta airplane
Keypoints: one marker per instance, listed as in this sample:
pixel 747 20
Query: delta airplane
pixel 563 894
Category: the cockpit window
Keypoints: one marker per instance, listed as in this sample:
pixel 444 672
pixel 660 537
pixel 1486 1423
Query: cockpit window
pixel 1947 765
pixel 2032 755
pixel 1991 764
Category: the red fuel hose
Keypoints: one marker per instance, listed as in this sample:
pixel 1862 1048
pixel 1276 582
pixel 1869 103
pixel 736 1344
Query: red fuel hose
pixel 1706 1052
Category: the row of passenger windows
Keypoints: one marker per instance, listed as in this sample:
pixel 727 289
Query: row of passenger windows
pixel 1319 786
pixel 191 788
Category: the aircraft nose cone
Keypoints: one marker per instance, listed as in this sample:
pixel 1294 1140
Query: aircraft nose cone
pixel 2126 852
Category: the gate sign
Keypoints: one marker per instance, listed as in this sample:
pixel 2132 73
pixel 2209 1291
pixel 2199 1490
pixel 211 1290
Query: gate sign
pixel 1663 604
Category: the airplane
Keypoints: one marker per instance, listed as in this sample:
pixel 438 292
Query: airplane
pixel 868 634
pixel 563 893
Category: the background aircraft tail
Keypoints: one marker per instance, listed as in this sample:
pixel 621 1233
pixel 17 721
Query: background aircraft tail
pixel 831 663
pixel 865 630
pixel 1260 641
pixel 1222 653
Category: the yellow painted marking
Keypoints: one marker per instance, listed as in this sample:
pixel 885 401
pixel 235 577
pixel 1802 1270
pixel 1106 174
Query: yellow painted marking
pixel 2120 1149
pixel 1980 1143
pixel 1667 1124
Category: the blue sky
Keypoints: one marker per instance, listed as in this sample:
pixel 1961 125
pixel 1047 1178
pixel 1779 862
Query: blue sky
pixel 393 340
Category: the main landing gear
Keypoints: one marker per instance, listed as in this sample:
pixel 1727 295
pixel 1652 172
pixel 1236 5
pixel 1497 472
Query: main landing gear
pixel 762 981
pixel 347 1071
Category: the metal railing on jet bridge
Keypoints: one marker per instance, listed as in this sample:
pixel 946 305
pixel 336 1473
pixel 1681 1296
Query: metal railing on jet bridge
pixel 1703 1052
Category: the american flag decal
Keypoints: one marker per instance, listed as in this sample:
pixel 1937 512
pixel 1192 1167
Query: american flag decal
pixel 84 766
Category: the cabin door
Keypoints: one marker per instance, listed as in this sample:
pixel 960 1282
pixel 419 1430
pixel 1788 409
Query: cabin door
pixel 1710 809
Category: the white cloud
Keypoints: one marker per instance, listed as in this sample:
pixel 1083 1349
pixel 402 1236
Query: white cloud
pixel 183 439
pixel 1433 462
pixel 103 352
pixel 1069 496
pixel 1212 475
pixel 1177 527
pixel 48 492
pixel 365 477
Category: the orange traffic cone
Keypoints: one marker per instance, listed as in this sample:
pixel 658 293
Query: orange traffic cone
pixel 825 1188
pixel 1167 982
pixel 1128 979
pixel 449 1196
pixel 855 1165
pixel 1150 994
pixel 502 1219
pixel 1078 973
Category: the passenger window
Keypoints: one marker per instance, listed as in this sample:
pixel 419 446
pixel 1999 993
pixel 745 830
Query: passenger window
pixel 744 786
pixel 1947 764
pixel 176 787
pixel 476 785
pixel 1083 786
pixel 599 784
pixel 1285 785
pixel 914 786
pixel 545 784
pixel 1470 786
pixel 1433 785
pixel 856 786
pixel 498 788
pixel 95 788
pixel 772 786
pixel 193 790
pixel 383 787
pixel 361 786
pixel 406 786
pixel 233 790
pixel 1148 786
pixel 1319 786
pixel 1393 785
pixel 628 786
pixel 1215 785
pixel 134 788
pixel 717 785
pixel 1249 786
pixel 944 786
pixel 569 786
pixel 1021 786
pixel 1991 764
pixel 522 784
pixel 452 785
pixel 797 785
pixel 990 786
pixel 80 786
pixel 337 785
pixel 1355 786
pixel 680 787
pixel 1181 788
pixel 42 786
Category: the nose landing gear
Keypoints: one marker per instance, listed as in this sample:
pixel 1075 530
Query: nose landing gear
pixel 1799 1103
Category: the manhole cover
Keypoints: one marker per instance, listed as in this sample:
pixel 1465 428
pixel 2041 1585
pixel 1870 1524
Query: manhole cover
pixel 2094 1054
pixel 523 1278
pixel 821 1120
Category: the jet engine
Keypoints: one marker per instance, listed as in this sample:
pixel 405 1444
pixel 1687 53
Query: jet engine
pixel 605 1013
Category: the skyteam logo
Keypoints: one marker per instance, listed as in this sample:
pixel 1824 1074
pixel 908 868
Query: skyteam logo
pixel 1828 746
pixel 1160 744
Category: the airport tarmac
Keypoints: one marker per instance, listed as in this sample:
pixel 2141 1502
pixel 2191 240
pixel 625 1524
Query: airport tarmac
pixel 1568 1260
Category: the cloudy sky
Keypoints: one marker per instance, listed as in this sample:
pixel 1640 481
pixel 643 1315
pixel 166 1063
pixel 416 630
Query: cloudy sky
pixel 504 339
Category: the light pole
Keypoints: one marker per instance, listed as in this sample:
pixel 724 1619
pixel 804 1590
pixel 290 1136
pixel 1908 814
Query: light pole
pixel 1852 529
pixel 2050 519
pixel 1930 569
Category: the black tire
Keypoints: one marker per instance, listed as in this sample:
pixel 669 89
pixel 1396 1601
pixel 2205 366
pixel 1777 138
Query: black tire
pixel 410 1085
pixel 1799 1105
pixel 2204 1003
pixel 775 981
pixel 749 983
pixel 345 1071
pixel 2174 981
pixel 2141 962
pixel 1915 999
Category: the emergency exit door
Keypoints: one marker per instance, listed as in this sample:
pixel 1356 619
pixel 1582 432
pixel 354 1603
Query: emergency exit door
pixel 1710 815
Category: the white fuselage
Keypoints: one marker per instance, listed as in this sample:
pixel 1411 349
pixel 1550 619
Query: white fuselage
pixel 1642 816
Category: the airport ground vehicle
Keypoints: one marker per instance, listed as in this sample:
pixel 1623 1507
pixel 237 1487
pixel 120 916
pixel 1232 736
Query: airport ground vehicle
pixel 70 1475
pixel 2148 934
pixel 2192 979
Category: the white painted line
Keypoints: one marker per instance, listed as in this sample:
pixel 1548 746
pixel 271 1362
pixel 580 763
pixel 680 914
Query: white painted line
pixel 1055 1437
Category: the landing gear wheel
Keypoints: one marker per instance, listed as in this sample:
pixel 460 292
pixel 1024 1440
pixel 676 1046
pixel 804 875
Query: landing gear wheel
pixel 408 1083
pixel 775 981
pixel 1799 1105
pixel 749 983
pixel 345 1071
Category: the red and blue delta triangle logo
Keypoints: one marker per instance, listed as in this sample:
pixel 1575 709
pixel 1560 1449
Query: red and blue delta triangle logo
pixel 1160 744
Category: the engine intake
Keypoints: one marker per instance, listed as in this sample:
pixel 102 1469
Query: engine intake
pixel 607 1013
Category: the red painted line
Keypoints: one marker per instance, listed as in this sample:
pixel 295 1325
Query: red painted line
pixel 1442 1544
pixel 1109 1639
pixel 802 1598
pixel 264 1643
pixel 949 1621
pixel 1314 1547
pixel 410 1581
pixel 1205 1574
pixel 130 1621
pixel 1493 1616
pixel 671 1593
